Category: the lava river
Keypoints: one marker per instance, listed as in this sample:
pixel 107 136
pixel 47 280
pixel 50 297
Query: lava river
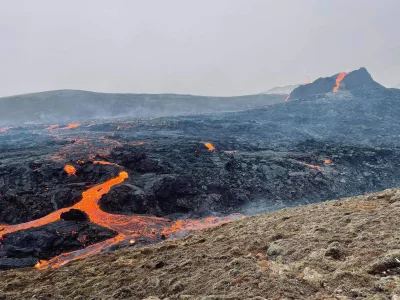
pixel 339 80
pixel 128 227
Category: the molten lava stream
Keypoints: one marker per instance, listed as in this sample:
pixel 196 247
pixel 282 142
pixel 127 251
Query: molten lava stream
pixel 209 146
pixel 50 218
pixel 100 162
pixel 338 80
pixel 128 227
pixel 318 168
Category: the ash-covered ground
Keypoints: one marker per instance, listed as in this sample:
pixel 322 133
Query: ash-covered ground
pixel 306 150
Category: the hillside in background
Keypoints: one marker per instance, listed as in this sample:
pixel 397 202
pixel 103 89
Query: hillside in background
pixel 357 79
pixel 72 105
pixel 282 90
pixel 363 116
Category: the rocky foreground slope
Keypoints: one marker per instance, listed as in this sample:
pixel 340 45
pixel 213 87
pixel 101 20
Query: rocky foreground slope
pixel 344 249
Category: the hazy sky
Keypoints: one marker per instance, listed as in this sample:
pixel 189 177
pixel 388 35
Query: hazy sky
pixel 207 47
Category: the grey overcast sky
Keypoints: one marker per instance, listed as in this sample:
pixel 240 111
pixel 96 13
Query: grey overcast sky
pixel 204 47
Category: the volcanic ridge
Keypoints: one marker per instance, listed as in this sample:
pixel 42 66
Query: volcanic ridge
pixel 344 81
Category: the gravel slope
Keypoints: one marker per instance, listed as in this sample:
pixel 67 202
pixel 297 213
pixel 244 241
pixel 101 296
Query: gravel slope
pixel 345 249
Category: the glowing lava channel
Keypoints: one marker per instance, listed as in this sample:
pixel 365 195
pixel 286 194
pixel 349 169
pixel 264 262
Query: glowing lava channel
pixel 128 227
pixel 100 162
pixel 338 80
pixel 318 168
pixel 209 146
pixel 72 126
pixel 70 170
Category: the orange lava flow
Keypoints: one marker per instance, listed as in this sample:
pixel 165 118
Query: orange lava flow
pixel 100 162
pixel 312 166
pixel 128 227
pixel 72 126
pixel 209 146
pixel 287 98
pixel 70 170
pixel 338 80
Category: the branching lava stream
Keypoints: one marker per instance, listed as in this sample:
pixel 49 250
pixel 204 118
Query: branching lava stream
pixel 128 227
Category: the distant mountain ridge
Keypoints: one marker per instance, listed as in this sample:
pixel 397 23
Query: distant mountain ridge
pixel 74 105
pixel 282 90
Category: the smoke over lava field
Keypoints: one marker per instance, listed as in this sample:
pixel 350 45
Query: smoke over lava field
pixel 72 190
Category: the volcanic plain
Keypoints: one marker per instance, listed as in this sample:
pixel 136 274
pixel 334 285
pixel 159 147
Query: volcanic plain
pixel 110 208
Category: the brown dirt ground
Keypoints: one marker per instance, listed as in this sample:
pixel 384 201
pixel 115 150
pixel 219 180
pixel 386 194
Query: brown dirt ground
pixel 344 249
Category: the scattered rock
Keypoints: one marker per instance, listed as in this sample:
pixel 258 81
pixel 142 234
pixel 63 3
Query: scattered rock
pixel 335 251
pixel 74 215
pixel 395 197
pixel 312 277
pixel 387 265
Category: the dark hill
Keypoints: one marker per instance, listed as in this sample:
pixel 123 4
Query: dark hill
pixel 354 80
pixel 72 105
pixel 367 116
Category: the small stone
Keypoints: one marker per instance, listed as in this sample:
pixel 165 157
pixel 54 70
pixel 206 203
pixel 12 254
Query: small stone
pixel 235 251
pixel 312 277
pixel 159 265
pixel 334 251
pixel 177 287
pixel 260 256
pixel 389 264
pixel 395 197
pixel 274 250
